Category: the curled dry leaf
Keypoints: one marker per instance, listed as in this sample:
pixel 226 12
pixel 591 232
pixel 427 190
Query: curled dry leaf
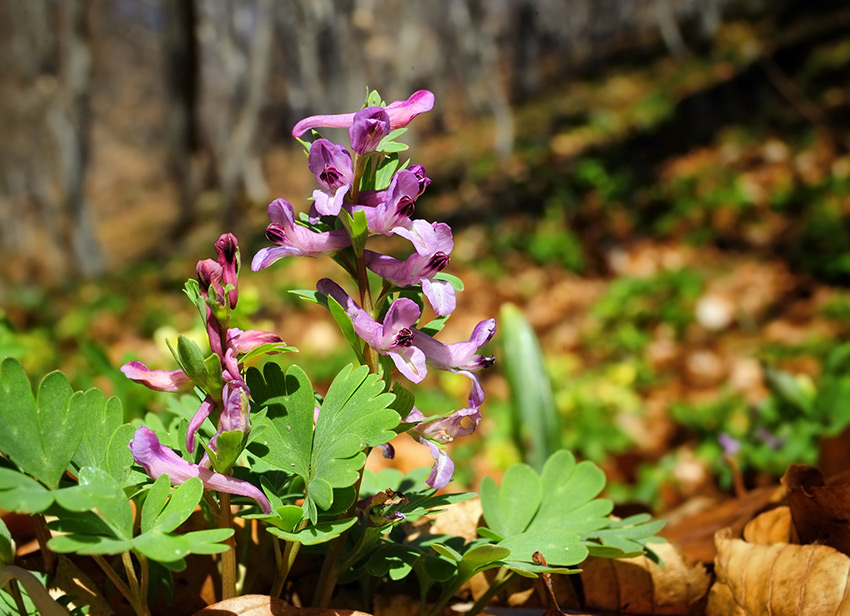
pixel 780 579
pixel 819 510
pixel 773 526
pixel 262 605
pixel 639 586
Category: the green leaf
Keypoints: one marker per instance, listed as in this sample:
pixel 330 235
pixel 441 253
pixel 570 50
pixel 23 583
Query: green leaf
pixel 517 501
pixel 155 501
pixel 108 497
pixel 347 328
pixel 7 546
pixel 456 282
pixel 384 175
pixel 318 533
pixel 119 458
pixel 180 506
pixel 393 559
pixel 536 426
pixel 102 419
pixel 354 415
pixel 165 548
pixel 435 326
pixel 23 494
pixel 193 290
pixel 39 435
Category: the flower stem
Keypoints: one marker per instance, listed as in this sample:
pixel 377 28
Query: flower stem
pixel 139 604
pixel 228 558
pixel 42 533
pixel 498 584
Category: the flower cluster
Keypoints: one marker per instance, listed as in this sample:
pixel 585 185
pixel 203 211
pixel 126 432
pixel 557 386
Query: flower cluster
pixel 362 192
pixel 223 386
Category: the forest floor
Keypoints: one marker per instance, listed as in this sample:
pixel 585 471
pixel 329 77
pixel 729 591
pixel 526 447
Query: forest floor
pixel 676 233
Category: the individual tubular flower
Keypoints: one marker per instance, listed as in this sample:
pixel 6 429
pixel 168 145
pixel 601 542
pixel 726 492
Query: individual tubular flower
pixel 421 268
pixel 393 337
pixel 461 357
pixel 368 127
pixel 294 240
pixel 421 176
pixel 400 114
pixel 392 214
pixel 331 164
pixel 158 380
pixel 158 460
pixel 436 432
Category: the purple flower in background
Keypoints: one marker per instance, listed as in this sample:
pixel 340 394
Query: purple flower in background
pixel 393 337
pixel 420 268
pixel 158 380
pixel 294 240
pixel 158 460
pixel 400 114
pixel 731 446
pixel 368 127
pixel 331 164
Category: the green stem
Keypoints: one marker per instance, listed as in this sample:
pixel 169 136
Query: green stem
pixel 228 558
pixel 498 584
pixel 130 570
pixel 329 573
pixel 140 607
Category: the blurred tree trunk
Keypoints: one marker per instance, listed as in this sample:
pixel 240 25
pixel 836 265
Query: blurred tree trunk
pixel 46 115
pixel 180 52
pixel 242 35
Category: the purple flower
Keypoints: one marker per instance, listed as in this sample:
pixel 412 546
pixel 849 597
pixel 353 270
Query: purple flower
pixel 461 357
pixel 437 432
pixel 294 240
pixel 392 215
pixel 228 258
pixel 421 176
pixel 158 460
pixel 331 165
pixel 443 469
pixel 731 446
pixel 394 337
pixel 368 127
pixel 444 429
pixel 400 114
pixel 158 380
pixel 420 268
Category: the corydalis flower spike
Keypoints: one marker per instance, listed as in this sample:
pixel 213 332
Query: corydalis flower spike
pixel 400 114
pixel 158 460
pixel 443 469
pixel 158 380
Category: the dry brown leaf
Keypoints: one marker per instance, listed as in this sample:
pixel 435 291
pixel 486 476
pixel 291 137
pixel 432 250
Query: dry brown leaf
pixel 694 534
pixel 262 605
pixel 780 579
pixel 773 526
pixel 639 586
pixel 819 512
pixel 71 581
